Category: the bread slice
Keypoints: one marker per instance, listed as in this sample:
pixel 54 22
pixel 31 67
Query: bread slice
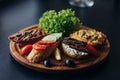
pixel 73 53
pixel 90 36
pixel 38 55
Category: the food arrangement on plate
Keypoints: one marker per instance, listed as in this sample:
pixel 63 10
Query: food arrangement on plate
pixel 59 43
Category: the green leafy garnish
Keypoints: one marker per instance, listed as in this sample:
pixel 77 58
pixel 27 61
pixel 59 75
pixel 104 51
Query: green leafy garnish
pixel 64 21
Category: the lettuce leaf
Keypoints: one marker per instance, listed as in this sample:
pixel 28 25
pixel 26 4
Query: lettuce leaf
pixel 64 21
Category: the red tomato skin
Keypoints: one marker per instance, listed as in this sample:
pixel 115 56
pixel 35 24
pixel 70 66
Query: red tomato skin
pixel 26 49
pixel 42 42
pixel 40 47
pixel 92 50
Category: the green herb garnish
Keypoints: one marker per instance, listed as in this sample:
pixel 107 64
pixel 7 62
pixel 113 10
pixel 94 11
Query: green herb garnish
pixel 27 34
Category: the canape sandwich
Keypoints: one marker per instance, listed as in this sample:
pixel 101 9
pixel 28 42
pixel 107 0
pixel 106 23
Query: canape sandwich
pixel 91 37
pixel 27 36
pixel 73 48
pixel 44 48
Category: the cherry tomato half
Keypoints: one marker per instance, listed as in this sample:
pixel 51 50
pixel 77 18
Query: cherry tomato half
pixel 92 50
pixel 26 49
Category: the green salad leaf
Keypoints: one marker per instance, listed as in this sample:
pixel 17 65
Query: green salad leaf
pixel 64 21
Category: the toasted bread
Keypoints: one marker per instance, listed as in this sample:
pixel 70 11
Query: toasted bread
pixel 37 55
pixel 91 37
pixel 74 48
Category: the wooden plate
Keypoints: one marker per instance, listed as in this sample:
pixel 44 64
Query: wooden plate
pixel 58 66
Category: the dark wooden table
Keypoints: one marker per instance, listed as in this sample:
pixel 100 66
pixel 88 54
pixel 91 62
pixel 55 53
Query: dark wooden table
pixel 18 14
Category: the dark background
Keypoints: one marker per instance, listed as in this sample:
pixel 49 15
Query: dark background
pixel 17 14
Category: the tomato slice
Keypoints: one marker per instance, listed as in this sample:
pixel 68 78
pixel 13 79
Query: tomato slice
pixel 45 42
pixel 26 49
pixel 92 50
pixel 40 47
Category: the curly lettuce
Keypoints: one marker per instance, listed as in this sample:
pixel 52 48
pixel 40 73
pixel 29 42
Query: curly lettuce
pixel 64 21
